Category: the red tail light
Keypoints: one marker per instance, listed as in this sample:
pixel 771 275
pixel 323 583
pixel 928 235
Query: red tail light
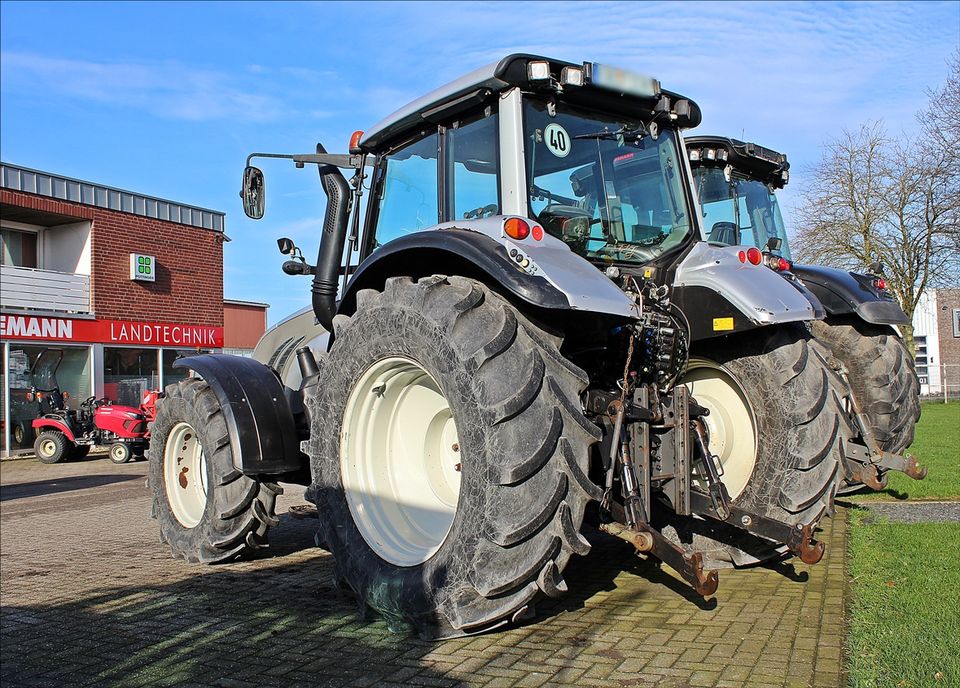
pixel 784 265
pixel 537 232
pixel 754 255
pixel 880 283
pixel 742 256
pixel 515 228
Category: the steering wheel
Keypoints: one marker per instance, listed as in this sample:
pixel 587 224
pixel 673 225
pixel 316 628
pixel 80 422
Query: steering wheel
pixel 477 213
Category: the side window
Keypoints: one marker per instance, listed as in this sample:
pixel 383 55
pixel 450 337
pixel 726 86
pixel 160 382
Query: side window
pixel 473 188
pixel 409 198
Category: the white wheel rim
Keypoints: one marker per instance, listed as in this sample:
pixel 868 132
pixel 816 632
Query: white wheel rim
pixel 731 423
pixel 185 475
pixel 48 447
pixel 400 461
pixel 118 452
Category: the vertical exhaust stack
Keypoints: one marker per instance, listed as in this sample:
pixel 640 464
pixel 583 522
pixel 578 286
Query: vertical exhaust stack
pixel 326 276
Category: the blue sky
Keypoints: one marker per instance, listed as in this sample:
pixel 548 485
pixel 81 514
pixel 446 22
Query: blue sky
pixel 168 98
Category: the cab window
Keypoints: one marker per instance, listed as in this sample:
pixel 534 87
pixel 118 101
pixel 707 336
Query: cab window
pixel 471 170
pixel 409 191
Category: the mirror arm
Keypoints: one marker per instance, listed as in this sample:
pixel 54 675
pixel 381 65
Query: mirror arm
pixel 348 162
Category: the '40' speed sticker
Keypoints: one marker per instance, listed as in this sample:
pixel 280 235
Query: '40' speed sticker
pixel 557 140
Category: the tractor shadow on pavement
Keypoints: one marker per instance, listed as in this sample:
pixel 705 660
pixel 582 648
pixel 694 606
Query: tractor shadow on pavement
pixel 272 620
pixel 57 485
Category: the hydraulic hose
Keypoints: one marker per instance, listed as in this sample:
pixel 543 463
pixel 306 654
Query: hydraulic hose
pixel 326 277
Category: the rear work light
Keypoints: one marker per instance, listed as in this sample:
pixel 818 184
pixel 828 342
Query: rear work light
pixel 754 255
pixel 778 263
pixel 515 228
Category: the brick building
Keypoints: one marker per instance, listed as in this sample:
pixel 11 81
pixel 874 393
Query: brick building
pixel 121 283
pixel 936 332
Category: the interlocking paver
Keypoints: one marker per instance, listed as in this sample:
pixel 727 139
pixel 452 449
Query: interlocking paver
pixel 88 596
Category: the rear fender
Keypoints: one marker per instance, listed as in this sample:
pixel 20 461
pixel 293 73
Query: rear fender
pixel 847 293
pixel 544 273
pixel 54 424
pixel 719 294
pixel 263 433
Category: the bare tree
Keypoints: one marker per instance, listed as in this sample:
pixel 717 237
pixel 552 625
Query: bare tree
pixel 872 198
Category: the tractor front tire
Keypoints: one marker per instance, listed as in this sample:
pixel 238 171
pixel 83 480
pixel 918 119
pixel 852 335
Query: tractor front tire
pixel 52 446
pixel 208 510
pixel 120 452
pixel 450 457
pixel 778 425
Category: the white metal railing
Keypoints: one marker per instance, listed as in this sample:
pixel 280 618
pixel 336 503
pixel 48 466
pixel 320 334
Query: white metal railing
pixel 44 289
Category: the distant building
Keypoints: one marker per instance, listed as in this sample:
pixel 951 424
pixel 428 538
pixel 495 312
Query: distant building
pixel 936 333
pixel 122 283
pixel 244 322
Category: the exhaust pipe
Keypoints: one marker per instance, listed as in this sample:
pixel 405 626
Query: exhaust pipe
pixel 327 274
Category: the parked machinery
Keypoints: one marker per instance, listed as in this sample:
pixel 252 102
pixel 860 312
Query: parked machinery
pixel 737 183
pixel 533 281
pixel 63 433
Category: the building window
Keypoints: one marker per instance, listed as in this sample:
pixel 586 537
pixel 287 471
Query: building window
pixel 128 373
pixel 19 249
pixel 173 375
pixel 71 375
pixel 920 358
pixel 956 322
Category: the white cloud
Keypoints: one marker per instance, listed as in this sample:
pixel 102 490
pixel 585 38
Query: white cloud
pixel 165 89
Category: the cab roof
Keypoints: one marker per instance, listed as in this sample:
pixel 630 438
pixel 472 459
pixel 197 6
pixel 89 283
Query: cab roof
pixel 750 159
pixel 479 86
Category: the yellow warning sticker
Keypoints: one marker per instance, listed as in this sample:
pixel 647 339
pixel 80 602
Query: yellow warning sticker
pixel 722 324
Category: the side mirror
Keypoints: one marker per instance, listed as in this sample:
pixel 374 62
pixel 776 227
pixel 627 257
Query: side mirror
pixel 286 246
pixel 774 244
pixel 253 193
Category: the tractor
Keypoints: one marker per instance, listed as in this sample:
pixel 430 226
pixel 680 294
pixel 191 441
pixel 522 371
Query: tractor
pixel 534 324
pixel 736 183
pixel 63 433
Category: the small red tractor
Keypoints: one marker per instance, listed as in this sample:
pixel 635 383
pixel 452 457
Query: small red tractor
pixel 64 433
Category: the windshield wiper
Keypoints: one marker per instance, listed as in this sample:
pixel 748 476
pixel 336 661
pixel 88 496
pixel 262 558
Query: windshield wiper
pixel 620 135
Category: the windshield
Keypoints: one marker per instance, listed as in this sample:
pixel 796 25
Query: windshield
pixel 615 197
pixel 45 369
pixel 741 212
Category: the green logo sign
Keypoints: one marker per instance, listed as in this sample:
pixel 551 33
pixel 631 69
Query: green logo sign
pixel 142 267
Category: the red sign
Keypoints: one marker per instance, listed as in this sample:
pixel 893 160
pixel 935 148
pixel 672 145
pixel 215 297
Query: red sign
pixel 109 331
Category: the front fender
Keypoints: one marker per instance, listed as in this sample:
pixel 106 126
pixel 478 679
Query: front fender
pixel 263 433
pixel 54 424
pixel 544 273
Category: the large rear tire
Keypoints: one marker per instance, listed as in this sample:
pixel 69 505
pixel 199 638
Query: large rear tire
pixel 52 446
pixel 785 461
pixel 450 455
pixel 208 510
pixel 882 376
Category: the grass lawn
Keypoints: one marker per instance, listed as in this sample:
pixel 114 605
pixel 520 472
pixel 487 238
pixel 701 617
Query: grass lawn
pixel 937 446
pixel 905 615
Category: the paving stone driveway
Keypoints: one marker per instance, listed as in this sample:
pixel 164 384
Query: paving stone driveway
pixel 89 596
